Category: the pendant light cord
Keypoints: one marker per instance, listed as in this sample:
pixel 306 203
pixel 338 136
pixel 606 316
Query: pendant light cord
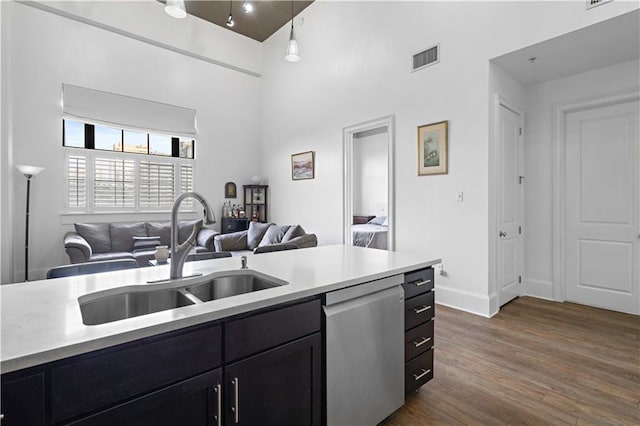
pixel 291 14
pixel 230 4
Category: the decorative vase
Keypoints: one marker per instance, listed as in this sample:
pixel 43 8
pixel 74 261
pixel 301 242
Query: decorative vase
pixel 161 254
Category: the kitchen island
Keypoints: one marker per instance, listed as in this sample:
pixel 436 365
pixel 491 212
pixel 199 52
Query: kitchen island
pixel 42 323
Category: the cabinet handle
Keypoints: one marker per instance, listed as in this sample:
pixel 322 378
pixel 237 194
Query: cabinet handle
pixel 1 417
pixel 422 374
pixel 218 391
pixel 421 283
pixel 236 408
pixel 421 342
pixel 421 309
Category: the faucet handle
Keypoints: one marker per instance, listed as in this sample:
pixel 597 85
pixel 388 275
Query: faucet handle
pixel 243 261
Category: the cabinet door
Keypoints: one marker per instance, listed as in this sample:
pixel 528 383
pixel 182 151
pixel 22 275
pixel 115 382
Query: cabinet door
pixel 23 401
pixel 193 402
pixel 281 386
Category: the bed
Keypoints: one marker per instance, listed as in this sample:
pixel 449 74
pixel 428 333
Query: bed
pixel 372 234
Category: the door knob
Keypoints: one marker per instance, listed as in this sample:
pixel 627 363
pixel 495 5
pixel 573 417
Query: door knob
pixel 502 234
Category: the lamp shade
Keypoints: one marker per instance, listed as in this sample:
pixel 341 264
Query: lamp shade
pixel 29 170
pixel 175 8
pixel 293 55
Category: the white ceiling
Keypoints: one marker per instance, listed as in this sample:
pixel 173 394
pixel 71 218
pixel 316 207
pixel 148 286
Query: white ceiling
pixel 603 44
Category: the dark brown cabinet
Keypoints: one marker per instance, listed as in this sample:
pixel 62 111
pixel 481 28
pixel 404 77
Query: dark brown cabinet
pixel 263 367
pixel 419 325
pixel 23 400
pixel 255 202
pixel 234 224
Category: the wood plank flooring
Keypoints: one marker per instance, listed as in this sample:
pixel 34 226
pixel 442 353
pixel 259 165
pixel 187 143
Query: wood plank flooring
pixel 536 362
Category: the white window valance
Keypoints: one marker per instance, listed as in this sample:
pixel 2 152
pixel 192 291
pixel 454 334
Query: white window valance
pixel 121 111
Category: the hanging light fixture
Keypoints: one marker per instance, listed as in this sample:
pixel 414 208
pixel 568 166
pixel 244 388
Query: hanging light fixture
pixel 175 8
pixel 230 22
pixel 247 7
pixel 293 55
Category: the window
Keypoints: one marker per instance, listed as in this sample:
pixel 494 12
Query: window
pixel 110 174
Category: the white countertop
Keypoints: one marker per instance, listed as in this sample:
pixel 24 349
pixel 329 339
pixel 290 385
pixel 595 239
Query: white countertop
pixel 41 320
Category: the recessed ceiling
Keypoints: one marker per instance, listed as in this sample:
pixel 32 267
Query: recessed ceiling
pixel 266 18
pixel 600 45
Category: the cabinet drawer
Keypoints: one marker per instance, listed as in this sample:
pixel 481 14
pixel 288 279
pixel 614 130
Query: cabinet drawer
pixel 91 381
pixel 256 333
pixel 418 310
pixel 418 340
pixel 23 401
pixel 418 371
pixel 418 282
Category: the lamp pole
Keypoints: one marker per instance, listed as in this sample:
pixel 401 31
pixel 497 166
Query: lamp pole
pixel 28 172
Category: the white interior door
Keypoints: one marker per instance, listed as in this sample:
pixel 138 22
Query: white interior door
pixel 602 192
pixel 510 205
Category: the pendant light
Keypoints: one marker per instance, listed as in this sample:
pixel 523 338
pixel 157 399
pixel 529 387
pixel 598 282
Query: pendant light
pixel 230 22
pixel 175 8
pixel 293 55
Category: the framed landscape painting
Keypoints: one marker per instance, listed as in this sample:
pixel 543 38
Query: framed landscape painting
pixel 432 149
pixel 302 165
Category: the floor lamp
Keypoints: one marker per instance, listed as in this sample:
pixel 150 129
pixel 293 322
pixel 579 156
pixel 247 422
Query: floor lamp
pixel 28 172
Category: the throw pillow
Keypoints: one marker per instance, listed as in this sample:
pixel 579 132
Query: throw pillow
pixel 160 229
pixel 274 235
pixel 96 234
pixel 145 243
pixel 122 235
pixel 256 232
pixel 293 232
pixel 378 220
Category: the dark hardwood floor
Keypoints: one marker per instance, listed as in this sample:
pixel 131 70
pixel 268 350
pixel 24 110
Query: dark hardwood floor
pixel 536 362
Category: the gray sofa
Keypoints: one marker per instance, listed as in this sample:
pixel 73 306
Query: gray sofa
pixel 111 241
pixel 264 237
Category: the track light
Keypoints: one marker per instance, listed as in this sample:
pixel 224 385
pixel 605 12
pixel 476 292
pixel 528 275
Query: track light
pixel 230 22
pixel 293 54
pixel 175 8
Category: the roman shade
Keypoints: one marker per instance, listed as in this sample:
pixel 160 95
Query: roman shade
pixel 95 106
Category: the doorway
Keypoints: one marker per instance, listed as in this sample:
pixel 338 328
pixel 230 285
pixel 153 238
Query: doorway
pixel 368 219
pixel 599 251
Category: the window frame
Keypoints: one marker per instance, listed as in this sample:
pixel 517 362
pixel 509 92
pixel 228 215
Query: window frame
pixel 90 154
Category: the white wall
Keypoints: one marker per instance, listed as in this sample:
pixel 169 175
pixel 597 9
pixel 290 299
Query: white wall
pixel 46 50
pixel 355 66
pixel 370 173
pixel 538 133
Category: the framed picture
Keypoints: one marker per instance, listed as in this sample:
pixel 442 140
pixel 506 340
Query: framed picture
pixel 302 165
pixel 230 190
pixel 432 149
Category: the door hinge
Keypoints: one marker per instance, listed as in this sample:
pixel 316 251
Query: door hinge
pixel 519 229
pixel 520 179
pixel 520 131
pixel 519 279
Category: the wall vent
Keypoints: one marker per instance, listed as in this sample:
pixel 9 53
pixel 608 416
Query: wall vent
pixel 594 3
pixel 425 58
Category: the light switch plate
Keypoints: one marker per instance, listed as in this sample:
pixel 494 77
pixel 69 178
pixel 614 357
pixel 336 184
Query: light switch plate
pixel 459 196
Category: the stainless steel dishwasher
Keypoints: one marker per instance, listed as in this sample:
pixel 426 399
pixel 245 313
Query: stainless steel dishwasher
pixel 364 352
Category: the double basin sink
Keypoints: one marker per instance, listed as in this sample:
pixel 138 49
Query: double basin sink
pixel 133 301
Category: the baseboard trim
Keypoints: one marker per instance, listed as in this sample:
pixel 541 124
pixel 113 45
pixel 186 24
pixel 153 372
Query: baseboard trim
pixel 538 288
pixel 473 303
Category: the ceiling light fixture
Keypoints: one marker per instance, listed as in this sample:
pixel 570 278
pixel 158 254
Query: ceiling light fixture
pixel 230 22
pixel 247 7
pixel 175 8
pixel 293 55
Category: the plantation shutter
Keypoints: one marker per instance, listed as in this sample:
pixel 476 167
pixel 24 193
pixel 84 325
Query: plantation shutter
pixel 186 182
pixel 76 181
pixel 114 183
pixel 156 184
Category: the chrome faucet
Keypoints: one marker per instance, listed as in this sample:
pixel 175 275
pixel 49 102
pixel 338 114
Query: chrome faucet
pixel 179 252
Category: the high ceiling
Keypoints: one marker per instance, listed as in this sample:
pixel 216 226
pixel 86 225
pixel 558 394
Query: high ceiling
pixel 265 19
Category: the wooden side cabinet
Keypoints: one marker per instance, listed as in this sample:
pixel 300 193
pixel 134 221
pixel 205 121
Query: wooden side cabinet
pixel 419 325
pixel 234 224
pixel 256 202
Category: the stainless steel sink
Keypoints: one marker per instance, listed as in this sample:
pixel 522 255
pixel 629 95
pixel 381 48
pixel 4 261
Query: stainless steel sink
pixel 131 304
pixel 141 300
pixel 228 286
